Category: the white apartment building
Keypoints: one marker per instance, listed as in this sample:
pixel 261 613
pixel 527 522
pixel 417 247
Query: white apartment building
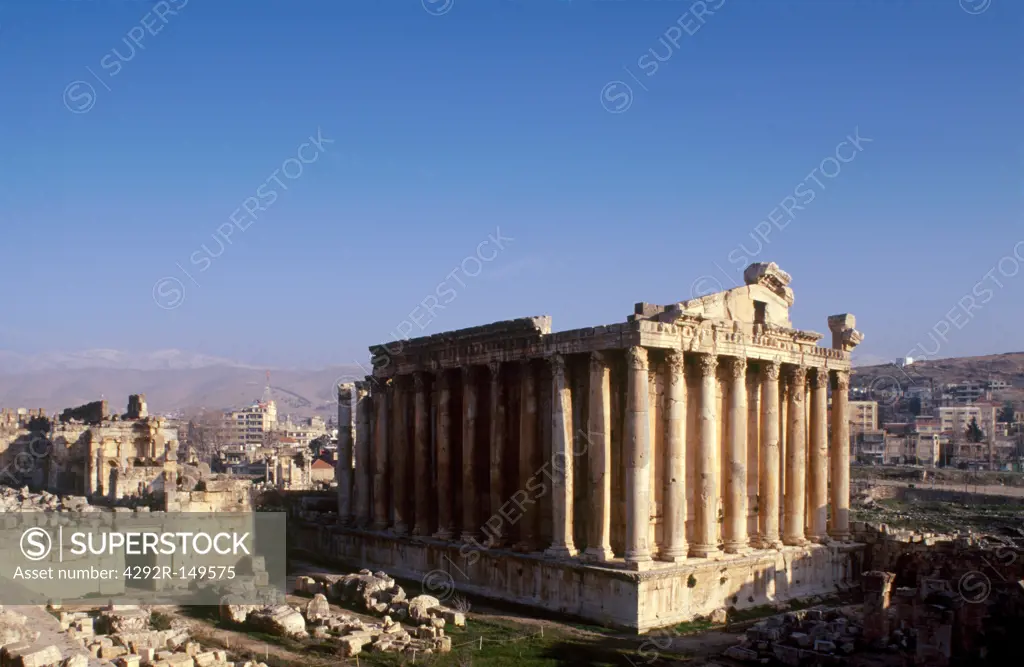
pixel 249 425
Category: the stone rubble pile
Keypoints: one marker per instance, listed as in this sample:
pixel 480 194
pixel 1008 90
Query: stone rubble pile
pixel 122 635
pixel 23 500
pixel 376 594
pixel 810 636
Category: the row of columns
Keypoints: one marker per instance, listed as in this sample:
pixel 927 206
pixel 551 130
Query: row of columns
pixel 806 472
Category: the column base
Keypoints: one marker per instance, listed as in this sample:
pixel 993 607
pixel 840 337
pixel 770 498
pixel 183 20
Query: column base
pixel 639 562
pixel 598 554
pixel 819 539
pixel 705 551
pixel 421 531
pixel 379 526
pixel 524 547
pixel 770 543
pixel 561 551
pixel 401 529
pixel 346 522
pixel 469 538
pixel 794 541
pixel 676 554
pixel 838 536
pixel 737 548
pixel 443 534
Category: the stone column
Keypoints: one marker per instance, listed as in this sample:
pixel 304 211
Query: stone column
pixel 400 454
pixel 445 519
pixel 637 443
pixel 381 433
pixel 796 454
pixel 562 463
pixel 768 487
pixel 364 474
pixel 343 468
pixel 599 429
pixel 675 548
pixel 705 532
pixel 817 465
pixel 529 523
pixel 421 454
pixel 497 449
pixel 841 457
pixel 470 409
pixel 735 527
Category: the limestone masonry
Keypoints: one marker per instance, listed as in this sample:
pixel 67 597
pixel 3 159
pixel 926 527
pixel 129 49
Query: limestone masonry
pixel 635 474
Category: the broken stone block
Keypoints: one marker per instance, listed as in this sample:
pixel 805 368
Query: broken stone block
pixel 802 639
pixel 719 616
pixel 206 659
pixel 130 660
pixel 420 606
pixel 26 656
pixel 352 644
pixel 443 644
pixel 111 652
pixel 75 660
pixel 824 646
pixel 279 620
pixel 456 618
pixel 318 608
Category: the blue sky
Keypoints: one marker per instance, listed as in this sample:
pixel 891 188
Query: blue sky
pixel 129 139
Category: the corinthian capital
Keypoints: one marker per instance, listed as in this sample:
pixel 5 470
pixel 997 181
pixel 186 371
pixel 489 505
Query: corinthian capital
pixel 557 363
pixel 636 358
pixel 770 370
pixel 708 364
pixel 797 376
pixel 842 381
pixel 736 366
pixel 819 378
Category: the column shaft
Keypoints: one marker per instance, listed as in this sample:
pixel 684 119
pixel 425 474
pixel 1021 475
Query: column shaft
pixel 470 409
pixel 841 457
pixel 599 453
pixel 768 478
pixel 817 465
pixel 497 453
pixel 363 471
pixel 529 527
pixel 735 527
pixel 638 456
pixel 562 462
pixel 445 518
pixel 400 452
pixel 706 519
pixel 421 454
pixel 381 433
pixel 675 548
pixel 343 468
pixel 796 458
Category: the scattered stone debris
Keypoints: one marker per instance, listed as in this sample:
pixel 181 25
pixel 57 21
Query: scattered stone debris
pixel 24 500
pixel 376 593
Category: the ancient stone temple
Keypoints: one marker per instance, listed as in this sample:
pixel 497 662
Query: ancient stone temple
pixel 692 457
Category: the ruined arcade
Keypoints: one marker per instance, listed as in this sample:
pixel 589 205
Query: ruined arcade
pixel 634 474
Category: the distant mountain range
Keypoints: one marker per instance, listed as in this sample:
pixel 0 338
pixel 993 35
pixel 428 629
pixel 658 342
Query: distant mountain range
pixel 172 380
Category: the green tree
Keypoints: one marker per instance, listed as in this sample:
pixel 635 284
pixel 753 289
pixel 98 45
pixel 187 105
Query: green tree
pixel 1006 414
pixel 973 433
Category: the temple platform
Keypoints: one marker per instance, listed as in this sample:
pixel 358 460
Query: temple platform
pixel 663 594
